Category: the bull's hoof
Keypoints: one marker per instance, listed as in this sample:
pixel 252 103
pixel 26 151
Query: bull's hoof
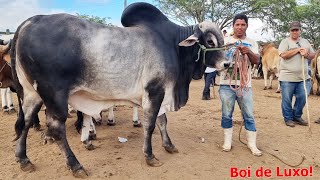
pixel 89 146
pixel 47 139
pixel 171 149
pixel 98 122
pixel 154 162
pixel 69 116
pixel 137 124
pixel 270 87
pixel 27 167
pixel 265 88
pixel 80 173
pixel 72 111
pixel 12 111
pixel 37 127
pixel 92 136
pixel 111 122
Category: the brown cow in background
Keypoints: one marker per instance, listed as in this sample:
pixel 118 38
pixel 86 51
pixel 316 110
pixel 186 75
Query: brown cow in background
pixel 5 69
pixel 315 73
pixel 270 64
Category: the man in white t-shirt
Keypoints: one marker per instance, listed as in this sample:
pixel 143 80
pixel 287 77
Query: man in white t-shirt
pixel 228 95
pixel 225 33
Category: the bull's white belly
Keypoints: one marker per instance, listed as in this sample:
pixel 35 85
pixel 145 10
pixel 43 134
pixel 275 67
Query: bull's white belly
pixel 92 102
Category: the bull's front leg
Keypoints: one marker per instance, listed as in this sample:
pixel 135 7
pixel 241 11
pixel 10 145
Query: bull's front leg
pixel 152 100
pixel 166 142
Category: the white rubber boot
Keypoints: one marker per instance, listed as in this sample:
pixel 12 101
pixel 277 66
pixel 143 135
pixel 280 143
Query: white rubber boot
pixel 251 138
pixel 227 139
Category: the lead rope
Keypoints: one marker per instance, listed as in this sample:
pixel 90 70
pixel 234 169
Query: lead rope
pixel 290 165
pixel 1 71
pixel 3 66
pixel 243 73
pixel 205 49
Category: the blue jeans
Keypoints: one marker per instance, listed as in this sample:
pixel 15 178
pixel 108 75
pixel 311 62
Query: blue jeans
pixel 228 98
pixel 288 90
pixel 210 78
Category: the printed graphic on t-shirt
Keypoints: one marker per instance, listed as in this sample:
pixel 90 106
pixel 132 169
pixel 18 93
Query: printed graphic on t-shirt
pixel 229 72
pixel 230 55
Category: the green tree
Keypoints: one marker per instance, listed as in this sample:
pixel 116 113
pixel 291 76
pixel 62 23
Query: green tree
pixel 309 15
pixel 96 19
pixel 220 11
pixel 276 15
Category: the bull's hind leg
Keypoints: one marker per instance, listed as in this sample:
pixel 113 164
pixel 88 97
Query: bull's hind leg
pixel 265 77
pixel 57 112
pixel 166 142
pixel 270 80
pixel 151 104
pixel 27 113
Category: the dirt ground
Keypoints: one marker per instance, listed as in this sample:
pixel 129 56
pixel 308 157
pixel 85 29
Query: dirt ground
pixel 187 128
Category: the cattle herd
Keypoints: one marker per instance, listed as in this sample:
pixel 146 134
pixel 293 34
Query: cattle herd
pixel 69 66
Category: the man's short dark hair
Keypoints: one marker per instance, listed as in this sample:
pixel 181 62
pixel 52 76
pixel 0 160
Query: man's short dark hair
pixel 240 16
pixel 225 31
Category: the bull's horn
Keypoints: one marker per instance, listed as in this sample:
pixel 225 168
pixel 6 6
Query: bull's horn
pixel 215 41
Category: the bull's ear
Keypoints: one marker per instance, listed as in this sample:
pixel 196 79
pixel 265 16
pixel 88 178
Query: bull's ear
pixel 191 40
pixel 7 58
pixel 5 48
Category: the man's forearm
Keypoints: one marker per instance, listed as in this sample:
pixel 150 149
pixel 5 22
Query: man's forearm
pixel 254 58
pixel 289 54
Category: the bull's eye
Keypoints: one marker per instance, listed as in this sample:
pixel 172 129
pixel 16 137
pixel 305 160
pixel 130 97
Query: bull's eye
pixel 210 42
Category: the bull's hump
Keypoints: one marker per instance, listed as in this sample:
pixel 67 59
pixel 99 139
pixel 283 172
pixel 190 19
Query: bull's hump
pixel 142 14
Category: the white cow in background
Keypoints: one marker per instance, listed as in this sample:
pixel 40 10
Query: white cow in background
pixel 6 97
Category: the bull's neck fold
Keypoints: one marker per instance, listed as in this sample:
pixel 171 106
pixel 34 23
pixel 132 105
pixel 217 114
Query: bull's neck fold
pixel 185 32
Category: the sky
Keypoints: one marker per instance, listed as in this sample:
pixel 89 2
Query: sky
pixel 14 12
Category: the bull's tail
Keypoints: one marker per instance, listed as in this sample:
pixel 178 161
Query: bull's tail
pixel 20 123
